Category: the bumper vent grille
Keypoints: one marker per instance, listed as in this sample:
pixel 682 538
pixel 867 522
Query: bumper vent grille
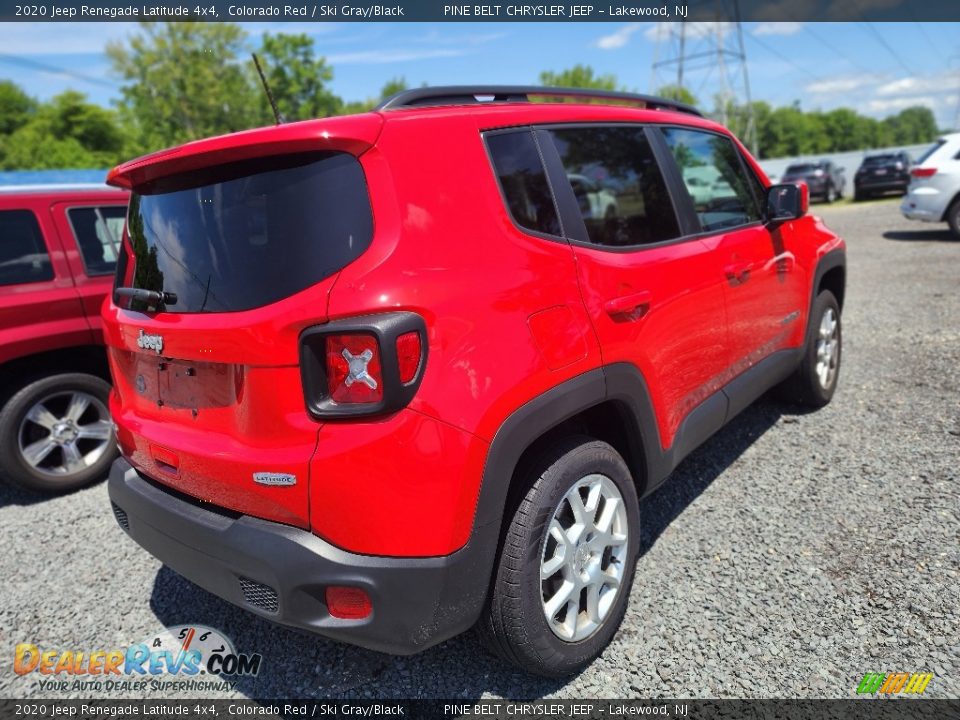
pixel 121 516
pixel 259 595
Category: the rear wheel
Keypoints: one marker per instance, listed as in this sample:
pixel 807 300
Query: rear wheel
pixel 563 577
pixel 56 433
pixel 953 218
pixel 815 380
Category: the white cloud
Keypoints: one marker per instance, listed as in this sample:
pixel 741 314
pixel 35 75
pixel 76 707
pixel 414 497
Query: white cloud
pixel 841 85
pixel 443 38
pixel 619 38
pixel 778 28
pixel 691 30
pixel 382 57
pixel 915 84
pixel 892 105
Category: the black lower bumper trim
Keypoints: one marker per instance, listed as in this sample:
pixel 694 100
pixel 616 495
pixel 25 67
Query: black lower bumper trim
pixel 281 572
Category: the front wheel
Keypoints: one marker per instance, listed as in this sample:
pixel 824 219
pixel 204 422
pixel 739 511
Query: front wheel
pixel 815 380
pixel 563 577
pixel 56 433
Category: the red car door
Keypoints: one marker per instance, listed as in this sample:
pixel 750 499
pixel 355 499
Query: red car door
pixel 763 289
pixel 654 296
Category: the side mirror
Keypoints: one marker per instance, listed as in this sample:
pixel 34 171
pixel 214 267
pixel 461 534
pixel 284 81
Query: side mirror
pixel 787 202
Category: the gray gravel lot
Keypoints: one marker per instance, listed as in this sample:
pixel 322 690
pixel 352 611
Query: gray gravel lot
pixel 785 558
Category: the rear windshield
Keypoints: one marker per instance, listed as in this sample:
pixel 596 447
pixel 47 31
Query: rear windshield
pixel 801 169
pixel 880 160
pixel 931 150
pixel 244 235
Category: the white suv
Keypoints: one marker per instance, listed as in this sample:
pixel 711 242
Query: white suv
pixel 934 193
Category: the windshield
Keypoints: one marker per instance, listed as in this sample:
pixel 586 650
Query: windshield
pixel 244 235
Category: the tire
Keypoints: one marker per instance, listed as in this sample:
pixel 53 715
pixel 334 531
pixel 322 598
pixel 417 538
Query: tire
pixel 953 218
pixel 514 624
pixel 813 384
pixel 70 406
pixel 831 194
pixel 859 195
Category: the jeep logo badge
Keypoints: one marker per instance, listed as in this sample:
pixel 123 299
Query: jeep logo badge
pixel 271 478
pixel 150 342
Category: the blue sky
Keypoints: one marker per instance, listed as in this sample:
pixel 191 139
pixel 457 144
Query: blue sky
pixel 875 68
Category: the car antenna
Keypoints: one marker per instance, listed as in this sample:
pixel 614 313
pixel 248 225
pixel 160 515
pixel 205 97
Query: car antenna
pixel 266 89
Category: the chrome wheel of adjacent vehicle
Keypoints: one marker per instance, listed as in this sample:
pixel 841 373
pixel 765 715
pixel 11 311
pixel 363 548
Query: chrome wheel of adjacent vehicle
pixel 584 557
pixel 828 347
pixel 65 433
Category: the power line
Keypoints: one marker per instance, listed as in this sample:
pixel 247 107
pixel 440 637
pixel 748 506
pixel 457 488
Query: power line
pixel 34 65
pixel 788 60
pixel 889 48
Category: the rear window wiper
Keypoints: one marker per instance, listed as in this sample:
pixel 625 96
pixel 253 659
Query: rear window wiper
pixel 153 298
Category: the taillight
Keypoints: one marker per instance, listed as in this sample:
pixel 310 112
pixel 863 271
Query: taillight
pixel 363 366
pixel 408 356
pixel 348 603
pixel 354 374
pixel 924 172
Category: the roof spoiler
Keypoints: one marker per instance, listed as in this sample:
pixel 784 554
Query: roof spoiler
pixel 473 94
pixel 353 134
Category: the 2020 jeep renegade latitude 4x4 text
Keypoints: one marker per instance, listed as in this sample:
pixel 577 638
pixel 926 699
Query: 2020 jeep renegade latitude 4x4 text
pixel 387 375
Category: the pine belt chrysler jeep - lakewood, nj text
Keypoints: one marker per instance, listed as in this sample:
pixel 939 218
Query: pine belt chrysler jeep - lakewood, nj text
pixel 386 376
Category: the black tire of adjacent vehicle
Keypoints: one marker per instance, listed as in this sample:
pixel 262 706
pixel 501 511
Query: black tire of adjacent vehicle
pixel 513 625
pixel 803 387
pixel 953 218
pixel 12 465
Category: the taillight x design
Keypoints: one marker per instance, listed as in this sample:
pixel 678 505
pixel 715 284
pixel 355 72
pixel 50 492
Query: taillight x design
pixel 363 366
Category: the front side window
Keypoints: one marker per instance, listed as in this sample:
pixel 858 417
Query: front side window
pixel 620 191
pixel 98 231
pixel 715 178
pixel 23 254
pixel 523 181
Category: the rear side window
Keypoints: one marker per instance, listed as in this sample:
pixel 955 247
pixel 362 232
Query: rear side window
pixel 931 150
pixel 23 254
pixel 244 235
pixel 715 178
pixel 98 231
pixel 516 161
pixel 620 191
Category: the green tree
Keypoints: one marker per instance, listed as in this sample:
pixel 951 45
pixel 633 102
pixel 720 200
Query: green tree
pixel 184 80
pixel 678 93
pixel 67 132
pixel 912 126
pixel 16 107
pixel 297 77
pixel 579 76
pixel 392 87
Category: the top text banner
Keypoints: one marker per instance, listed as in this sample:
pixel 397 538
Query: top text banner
pixel 433 11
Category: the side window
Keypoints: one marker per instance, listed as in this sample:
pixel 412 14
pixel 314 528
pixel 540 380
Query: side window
pixel 715 178
pixel 23 254
pixel 620 190
pixel 98 231
pixel 523 181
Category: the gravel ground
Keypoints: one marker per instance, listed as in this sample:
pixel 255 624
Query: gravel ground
pixel 785 558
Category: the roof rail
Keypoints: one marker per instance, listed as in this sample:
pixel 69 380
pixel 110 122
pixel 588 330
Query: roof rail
pixel 478 94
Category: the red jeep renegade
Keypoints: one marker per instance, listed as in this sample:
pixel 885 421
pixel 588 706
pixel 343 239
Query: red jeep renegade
pixel 384 376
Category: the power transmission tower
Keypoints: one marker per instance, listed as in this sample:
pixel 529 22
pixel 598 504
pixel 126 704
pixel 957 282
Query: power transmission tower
pixel 706 57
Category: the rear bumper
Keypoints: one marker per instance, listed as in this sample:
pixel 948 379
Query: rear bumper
pixel 882 184
pixel 417 602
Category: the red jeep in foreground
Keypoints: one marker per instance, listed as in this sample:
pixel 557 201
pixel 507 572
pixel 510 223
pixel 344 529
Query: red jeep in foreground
pixel 58 251
pixel 383 376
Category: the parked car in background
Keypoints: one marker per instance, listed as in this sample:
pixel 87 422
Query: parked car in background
pixel 934 192
pixel 337 418
pixel 887 172
pixel 58 252
pixel 595 201
pixel 825 180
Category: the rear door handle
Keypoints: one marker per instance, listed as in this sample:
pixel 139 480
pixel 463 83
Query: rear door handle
pixel 738 273
pixel 633 306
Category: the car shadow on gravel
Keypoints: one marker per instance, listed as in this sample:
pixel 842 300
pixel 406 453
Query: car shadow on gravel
pixel 920 235
pixel 299 665
pixel 11 494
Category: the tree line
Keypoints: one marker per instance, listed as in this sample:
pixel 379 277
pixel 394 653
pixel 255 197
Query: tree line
pixel 182 81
